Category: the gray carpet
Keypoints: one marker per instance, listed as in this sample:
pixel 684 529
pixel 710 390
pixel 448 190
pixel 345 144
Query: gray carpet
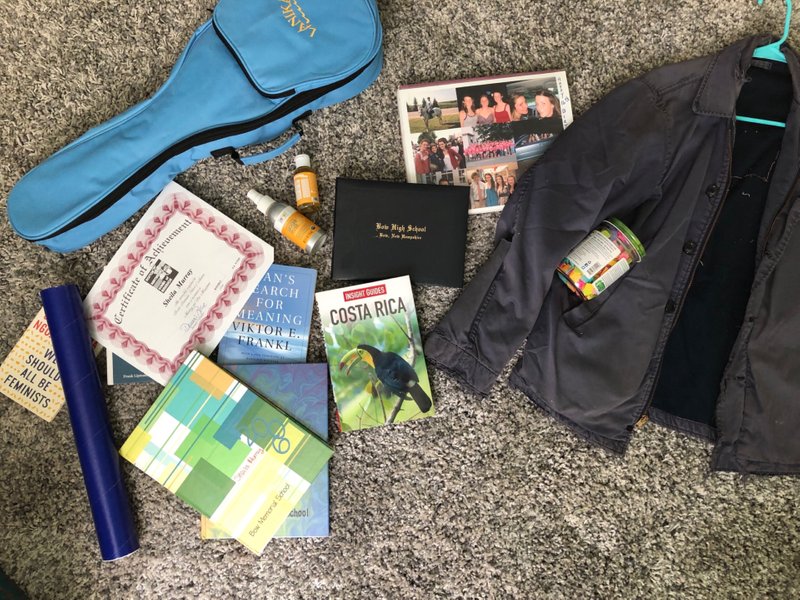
pixel 489 499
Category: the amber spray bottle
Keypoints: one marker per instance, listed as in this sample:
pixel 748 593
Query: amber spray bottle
pixel 291 224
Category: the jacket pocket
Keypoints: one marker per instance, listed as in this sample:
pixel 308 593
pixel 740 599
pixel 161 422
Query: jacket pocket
pixel 580 314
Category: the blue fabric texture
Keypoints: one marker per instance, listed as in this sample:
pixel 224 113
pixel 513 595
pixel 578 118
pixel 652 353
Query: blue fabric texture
pixel 244 78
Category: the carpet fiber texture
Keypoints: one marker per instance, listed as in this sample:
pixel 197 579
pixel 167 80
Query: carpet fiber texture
pixel 488 499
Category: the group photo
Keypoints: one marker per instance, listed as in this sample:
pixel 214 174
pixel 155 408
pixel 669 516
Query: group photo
pixel 490 144
pixel 490 187
pixel 494 128
pixel 437 154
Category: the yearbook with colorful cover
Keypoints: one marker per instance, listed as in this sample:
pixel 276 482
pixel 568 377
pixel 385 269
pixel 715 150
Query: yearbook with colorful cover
pixel 226 451
pixel 302 392
pixel 273 325
pixel 374 349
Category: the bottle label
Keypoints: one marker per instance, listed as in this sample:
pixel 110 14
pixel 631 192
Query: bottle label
pixel 296 227
pixel 611 275
pixel 593 254
pixel 282 217
pixel 305 189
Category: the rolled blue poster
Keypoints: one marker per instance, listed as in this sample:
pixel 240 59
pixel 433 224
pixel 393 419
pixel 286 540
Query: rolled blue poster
pixel 97 452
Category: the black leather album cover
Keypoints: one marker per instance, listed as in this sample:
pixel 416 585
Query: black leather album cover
pixel 384 229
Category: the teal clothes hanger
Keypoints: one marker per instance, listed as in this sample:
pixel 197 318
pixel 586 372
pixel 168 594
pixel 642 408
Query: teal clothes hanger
pixel 772 52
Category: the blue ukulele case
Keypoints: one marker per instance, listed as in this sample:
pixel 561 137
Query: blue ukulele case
pixel 246 77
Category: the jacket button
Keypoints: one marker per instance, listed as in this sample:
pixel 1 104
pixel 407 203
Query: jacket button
pixel 711 190
pixel 669 307
pixel 689 248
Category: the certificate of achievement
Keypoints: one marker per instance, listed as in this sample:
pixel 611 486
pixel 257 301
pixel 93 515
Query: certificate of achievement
pixel 176 284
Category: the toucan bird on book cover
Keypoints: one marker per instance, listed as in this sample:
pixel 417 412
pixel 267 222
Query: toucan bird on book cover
pixel 374 348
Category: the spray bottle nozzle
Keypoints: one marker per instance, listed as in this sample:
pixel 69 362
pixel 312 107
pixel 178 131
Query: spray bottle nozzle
pixel 262 201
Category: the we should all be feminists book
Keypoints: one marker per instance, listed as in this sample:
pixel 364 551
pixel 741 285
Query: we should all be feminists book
pixel 29 374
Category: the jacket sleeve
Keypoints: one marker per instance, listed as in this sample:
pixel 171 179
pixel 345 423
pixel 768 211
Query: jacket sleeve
pixel 603 165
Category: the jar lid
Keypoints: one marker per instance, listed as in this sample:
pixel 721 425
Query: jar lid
pixel 637 245
pixel 302 160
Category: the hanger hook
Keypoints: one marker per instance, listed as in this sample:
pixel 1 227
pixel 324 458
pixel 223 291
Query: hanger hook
pixel 787 22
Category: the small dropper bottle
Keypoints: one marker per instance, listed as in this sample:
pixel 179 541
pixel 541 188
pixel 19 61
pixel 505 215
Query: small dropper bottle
pixel 291 224
pixel 306 191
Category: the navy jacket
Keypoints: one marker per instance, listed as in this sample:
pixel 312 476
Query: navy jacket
pixel 704 334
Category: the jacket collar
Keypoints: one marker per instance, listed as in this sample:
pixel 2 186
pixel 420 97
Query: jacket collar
pixel 724 77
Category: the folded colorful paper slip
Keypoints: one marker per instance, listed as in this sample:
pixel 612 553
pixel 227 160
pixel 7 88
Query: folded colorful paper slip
pixel 226 451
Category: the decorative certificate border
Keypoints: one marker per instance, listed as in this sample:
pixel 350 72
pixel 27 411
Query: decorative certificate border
pixel 252 256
